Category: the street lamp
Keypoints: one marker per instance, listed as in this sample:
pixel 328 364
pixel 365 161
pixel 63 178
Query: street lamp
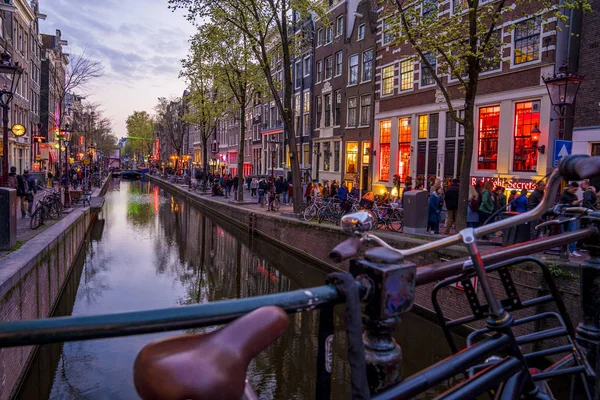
pixel 11 73
pixel 562 89
pixel 274 146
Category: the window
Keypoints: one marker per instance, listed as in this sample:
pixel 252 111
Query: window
pixel 406 75
pixel 489 122
pixel 353 70
pixel 336 156
pixel 320 37
pixel 319 71
pixel 338 108
pixel 338 63
pixel 492 55
pixel 306 102
pixel 365 110
pixel 298 74
pixel 367 71
pixel 361 32
pixel 458 6
pixel 387 35
pixel 351 157
pixel 319 108
pixel 527 41
pixel 429 9
pixel 296 104
pixel 328 35
pixel 307 66
pixel 434 122
pixel 327 101
pixel 306 125
pixel 326 156
pixel 306 155
pixel 387 80
pixel 328 67
pixel 385 133
pixel 423 126
pixel 351 120
pixel 339 26
pixel 366 152
pixel 526 120
pixel 452 127
pixel 426 73
pixel 404 138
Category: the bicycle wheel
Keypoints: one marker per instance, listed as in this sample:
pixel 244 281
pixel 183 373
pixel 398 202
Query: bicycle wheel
pixel 395 221
pixel 54 211
pixel 309 213
pixel 323 215
pixel 36 218
pixel 275 205
pixel 300 213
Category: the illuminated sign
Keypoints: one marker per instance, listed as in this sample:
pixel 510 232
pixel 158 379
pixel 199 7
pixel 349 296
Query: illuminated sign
pixel 507 183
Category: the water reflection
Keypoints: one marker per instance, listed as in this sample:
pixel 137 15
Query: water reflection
pixel 156 251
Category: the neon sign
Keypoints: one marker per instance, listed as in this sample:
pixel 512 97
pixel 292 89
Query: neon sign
pixel 507 183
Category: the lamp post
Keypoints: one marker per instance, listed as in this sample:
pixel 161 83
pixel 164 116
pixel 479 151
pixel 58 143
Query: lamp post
pixel 562 89
pixel 11 73
pixel 274 146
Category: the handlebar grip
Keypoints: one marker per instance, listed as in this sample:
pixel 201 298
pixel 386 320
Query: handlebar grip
pixel 347 249
pixel 579 166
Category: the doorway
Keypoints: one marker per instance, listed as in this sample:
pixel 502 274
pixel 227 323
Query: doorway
pixel 364 180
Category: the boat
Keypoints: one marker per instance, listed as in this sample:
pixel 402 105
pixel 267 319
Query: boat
pixel 131 174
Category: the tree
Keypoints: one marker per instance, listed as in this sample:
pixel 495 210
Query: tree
pixel 171 123
pixel 141 133
pixel 462 44
pixel 234 70
pixel 266 24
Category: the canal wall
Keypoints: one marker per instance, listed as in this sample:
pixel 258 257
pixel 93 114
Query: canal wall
pixel 314 242
pixel 32 279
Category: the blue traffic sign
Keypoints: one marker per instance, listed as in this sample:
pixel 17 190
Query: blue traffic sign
pixel 562 148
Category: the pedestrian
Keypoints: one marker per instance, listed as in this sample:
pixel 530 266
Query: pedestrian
pixel 473 208
pixel 334 187
pixel 12 178
pixel 253 187
pixel 316 192
pixel 521 202
pixel 30 192
pixel 451 199
pixel 342 194
pixel 308 191
pixel 511 200
pixel 500 199
pixel 291 193
pixel 279 186
pixel 21 193
pixel 435 210
pixel 589 195
pixel 248 182
pixel 262 186
pixel 285 185
pixel 486 208
pixel 569 199
pixel 536 196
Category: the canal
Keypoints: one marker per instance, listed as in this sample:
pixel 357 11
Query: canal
pixel 151 250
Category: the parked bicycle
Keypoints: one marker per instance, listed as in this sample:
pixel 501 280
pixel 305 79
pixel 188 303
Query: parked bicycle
pixel 500 359
pixel 389 217
pixel 50 206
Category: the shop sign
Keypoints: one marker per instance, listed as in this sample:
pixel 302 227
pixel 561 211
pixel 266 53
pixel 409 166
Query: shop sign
pixel 507 183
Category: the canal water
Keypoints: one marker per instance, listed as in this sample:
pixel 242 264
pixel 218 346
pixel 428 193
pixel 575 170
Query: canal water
pixel 151 250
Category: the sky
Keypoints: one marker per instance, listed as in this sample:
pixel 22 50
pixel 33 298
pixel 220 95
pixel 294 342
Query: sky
pixel 139 42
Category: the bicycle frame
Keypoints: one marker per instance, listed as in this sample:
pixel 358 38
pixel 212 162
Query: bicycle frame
pixel 380 261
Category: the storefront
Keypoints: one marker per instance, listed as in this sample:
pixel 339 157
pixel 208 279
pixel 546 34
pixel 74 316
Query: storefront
pixel 425 144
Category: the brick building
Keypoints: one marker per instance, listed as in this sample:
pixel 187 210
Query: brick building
pixel 415 137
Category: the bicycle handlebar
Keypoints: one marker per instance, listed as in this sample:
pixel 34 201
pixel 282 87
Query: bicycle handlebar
pixel 347 249
pixel 578 166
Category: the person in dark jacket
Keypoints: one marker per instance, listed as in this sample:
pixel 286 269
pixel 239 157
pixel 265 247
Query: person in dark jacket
pixel 285 186
pixel 21 193
pixel 500 199
pixel 262 187
pixel 451 199
pixel 31 191
pixel 279 185
pixel 569 198
pixel 434 210
pixel 536 196
pixel 589 196
pixel 521 201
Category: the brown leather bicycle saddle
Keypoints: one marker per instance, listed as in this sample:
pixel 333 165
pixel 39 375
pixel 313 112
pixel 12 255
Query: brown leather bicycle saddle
pixel 211 366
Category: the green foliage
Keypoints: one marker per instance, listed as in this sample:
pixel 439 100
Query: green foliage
pixel 558 271
pixel 141 133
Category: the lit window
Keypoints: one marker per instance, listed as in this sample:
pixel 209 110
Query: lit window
pixel 527 41
pixel 351 157
pixel 361 32
pixel 367 71
pixel 353 70
pixel 489 123
pixel 387 80
pixel 326 156
pixel 385 131
pixel 306 155
pixel 404 138
pixel 526 121
pixel 306 102
pixel 406 75
pixel 423 126
pixel 352 111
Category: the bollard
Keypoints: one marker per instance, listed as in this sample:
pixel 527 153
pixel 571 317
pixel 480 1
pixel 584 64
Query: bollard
pixel 415 215
pixel 8 218
pixel 391 292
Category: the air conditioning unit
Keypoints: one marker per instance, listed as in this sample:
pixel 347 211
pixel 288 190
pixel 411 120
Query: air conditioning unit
pixel 7 5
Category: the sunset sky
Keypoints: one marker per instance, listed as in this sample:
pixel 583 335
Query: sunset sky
pixel 140 43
